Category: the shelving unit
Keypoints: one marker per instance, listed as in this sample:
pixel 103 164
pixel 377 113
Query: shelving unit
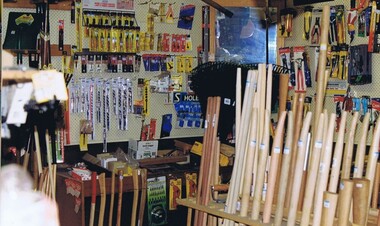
pixel 62 5
pixel 217 209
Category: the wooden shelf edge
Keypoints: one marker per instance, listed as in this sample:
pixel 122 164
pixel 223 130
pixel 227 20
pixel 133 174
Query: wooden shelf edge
pixel 217 210
pixel 53 48
pixel 17 75
pixel 65 5
pixel 161 160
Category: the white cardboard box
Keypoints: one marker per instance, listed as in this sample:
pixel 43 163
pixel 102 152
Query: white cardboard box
pixel 143 149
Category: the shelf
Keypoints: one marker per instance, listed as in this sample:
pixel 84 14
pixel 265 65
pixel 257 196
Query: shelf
pixel 18 75
pixel 53 48
pixel 162 160
pixel 64 5
pixel 103 53
pixel 217 209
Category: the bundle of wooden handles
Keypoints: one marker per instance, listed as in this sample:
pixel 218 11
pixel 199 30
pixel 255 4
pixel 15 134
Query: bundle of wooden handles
pixel 301 176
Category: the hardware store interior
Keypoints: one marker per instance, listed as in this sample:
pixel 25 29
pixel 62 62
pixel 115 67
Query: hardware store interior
pixel 209 112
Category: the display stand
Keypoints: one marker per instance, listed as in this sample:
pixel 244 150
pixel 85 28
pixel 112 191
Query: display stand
pixel 217 209
pixel 66 203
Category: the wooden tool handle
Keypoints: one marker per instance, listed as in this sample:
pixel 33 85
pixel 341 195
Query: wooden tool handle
pixel 330 201
pixel 284 170
pixel 50 167
pixel 38 150
pixel 26 161
pixel 120 198
pixel 360 151
pixel 337 158
pixel 344 201
pixel 220 187
pixel 143 175
pixel 283 93
pixel 360 198
pixel 102 185
pixel 247 183
pixel 322 63
pixel 135 177
pixel 112 199
pixel 323 173
pixel 376 184
pixel 263 155
pixel 268 102
pixel 295 188
pixel 93 198
pixel 312 172
pixel 348 150
pixel 297 128
pixel 276 152
pixel 373 156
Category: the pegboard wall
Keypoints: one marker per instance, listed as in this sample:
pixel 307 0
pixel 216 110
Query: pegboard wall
pixel 371 90
pixel 159 104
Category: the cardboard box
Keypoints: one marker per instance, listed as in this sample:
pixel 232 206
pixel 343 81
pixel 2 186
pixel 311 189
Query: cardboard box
pixel 143 149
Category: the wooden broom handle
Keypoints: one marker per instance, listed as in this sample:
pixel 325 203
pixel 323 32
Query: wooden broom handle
pixel 337 158
pixel 135 177
pixel 330 201
pixel 38 151
pixel 283 93
pixel 360 198
pixel 284 171
pixel 272 176
pixel 143 175
pixel 263 155
pixel 295 187
pixel 247 183
pixel 344 201
pixel 373 158
pixel 312 172
pixel 323 173
pixel 230 196
pixel 322 63
pixel 112 201
pixel 102 185
pixel 297 129
pixel 120 198
pixel 360 152
pixel 376 184
pixel 93 198
pixel 348 150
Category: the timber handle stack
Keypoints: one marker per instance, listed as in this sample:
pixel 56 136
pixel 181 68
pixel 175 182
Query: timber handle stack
pixel 311 188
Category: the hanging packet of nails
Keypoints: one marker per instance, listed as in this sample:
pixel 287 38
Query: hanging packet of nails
pixel 22 31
